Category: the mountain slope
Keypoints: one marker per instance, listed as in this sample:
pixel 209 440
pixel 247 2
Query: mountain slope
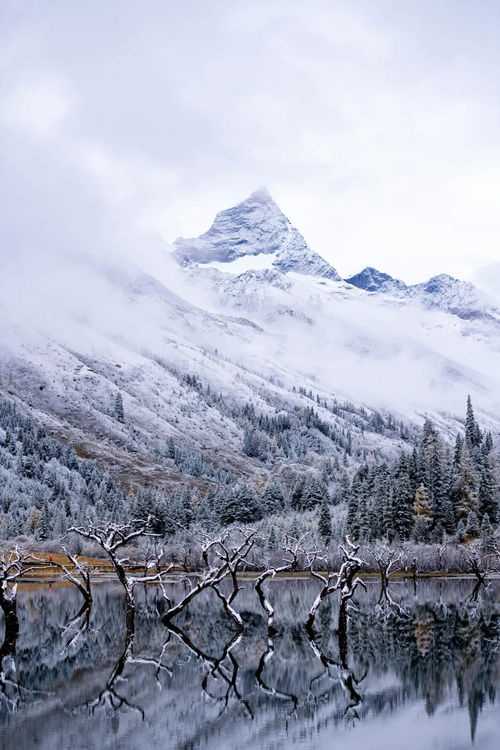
pixel 213 355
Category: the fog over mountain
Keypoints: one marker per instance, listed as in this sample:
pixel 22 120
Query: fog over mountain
pixel 255 314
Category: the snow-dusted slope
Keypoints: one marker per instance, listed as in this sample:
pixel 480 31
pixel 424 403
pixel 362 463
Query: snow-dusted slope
pixel 268 334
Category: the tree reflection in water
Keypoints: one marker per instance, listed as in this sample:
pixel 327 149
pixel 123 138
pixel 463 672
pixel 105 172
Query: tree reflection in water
pixel 433 647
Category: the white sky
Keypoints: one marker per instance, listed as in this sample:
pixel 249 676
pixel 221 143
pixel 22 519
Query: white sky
pixel 375 124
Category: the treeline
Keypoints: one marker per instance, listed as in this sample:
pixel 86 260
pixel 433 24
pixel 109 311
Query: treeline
pixel 429 493
pixel 222 505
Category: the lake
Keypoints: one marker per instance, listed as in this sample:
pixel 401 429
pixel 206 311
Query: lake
pixel 422 673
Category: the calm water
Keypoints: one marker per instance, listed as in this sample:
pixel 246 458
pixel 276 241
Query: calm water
pixel 423 676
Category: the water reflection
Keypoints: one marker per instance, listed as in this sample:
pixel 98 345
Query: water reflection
pixel 421 668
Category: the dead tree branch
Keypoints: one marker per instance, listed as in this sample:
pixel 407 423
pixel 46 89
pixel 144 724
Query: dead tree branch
pixel 222 559
pixel 346 581
pixel 293 548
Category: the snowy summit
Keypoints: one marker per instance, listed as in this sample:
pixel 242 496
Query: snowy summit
pixel 255 229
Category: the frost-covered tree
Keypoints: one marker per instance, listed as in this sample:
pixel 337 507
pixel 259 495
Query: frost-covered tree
pixel 472 527
pixel 273 498
pixel 240 505
pixel 325 523
pixel 119 413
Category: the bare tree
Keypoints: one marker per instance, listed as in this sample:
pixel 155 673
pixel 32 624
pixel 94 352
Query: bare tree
pixel 261 682
pixel 293 548
pixel 222 559
pixel 113 536
pixel 80 576
pixel 342 672
pixel 478 566
pixel 386 558
pixel 346 581
pixel 13 565
pixel 110 697
pixel 224 668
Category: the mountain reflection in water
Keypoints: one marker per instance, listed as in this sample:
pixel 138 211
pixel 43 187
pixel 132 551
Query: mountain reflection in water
pixel 421 674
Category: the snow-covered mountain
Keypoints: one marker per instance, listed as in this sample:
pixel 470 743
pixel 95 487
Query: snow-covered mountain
pixel 442 292
pixel 254 234
pixel 245 314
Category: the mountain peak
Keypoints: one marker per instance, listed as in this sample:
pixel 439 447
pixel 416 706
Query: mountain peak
pixel 254 227
pixel 261 194
pixel 372 280
pixel 442 291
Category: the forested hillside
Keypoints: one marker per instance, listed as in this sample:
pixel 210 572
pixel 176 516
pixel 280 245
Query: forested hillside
pixel 429 491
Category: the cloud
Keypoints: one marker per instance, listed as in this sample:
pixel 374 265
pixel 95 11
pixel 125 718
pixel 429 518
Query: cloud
pixel 375 131
pixel 39 104
pixel 488 278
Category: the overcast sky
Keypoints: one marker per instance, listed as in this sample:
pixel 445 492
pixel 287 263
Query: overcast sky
pixel 375 124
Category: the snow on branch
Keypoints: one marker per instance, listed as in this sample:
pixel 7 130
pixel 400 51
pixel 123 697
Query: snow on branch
pixel 346 579
pixel 222 558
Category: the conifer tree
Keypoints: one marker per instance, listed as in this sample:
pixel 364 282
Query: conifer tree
pixel 296 498
pixel 461 533
pixel 44 526
pixel 241 505
pixel 488 504
pixel 423 514
pixel 325 523
pixel 353 510
pixel 403 505
pixel 314 492
pixel 472 527
pixel 472 432
pixel 170 448
pixel 488 543
pixel 273 498
pixel 119 413
pixel 465 485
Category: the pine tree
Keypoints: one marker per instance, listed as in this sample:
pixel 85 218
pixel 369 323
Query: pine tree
pixel 403 505
pixel 472 432
pixel 381 514
pixel 364 528
pixel 488 504
pixel 461 533
pixel 271 541
pixel 488 543
pixel 314 493
pixel 273 498
pixel 487 443
pixel 32 521
pixel 170 448
pixel 325 523
pixel 457 454
pixel 465 485
pixel 472 527
pixel 241 505
pixel 44 525
pixel 353 509
pixel 119 414
pixel 423 514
